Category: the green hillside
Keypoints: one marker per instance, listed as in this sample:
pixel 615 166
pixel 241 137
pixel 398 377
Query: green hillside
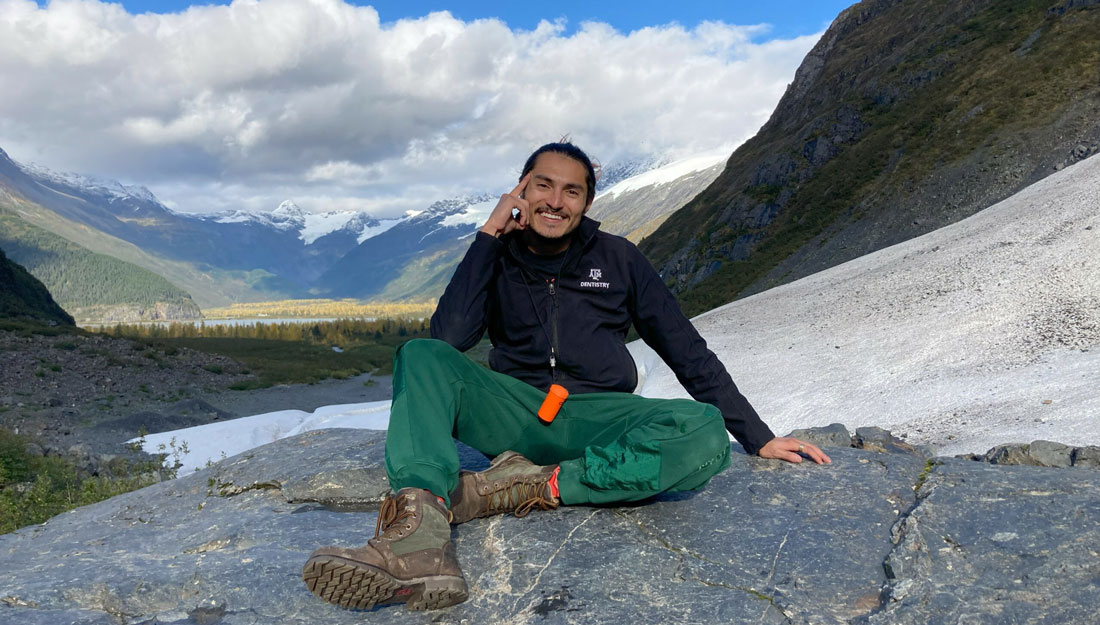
pixel 86 284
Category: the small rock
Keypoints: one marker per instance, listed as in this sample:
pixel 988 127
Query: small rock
pixel 1088 457
pixel 878 439
pixel 1050 454
pixel 834 435
pixel 1009 454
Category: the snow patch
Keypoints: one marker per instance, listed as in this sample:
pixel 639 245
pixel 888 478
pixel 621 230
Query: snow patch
pixel 668 173
pixel 475 214
pixel 379 228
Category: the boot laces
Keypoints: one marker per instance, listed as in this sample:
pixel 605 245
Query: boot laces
pixel 393 511
pixel 521 494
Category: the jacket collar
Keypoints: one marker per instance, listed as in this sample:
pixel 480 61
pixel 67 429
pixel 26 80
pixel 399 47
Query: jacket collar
pixel 584 235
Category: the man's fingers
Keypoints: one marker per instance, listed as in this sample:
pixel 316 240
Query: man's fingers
pixel 814 453
pixel 522 186
pixel 792 450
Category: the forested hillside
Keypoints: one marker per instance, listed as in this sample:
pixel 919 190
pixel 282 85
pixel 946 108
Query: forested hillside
pixel 24 297
pixel 89 285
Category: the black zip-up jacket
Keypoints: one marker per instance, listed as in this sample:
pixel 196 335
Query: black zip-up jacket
pixel 571 330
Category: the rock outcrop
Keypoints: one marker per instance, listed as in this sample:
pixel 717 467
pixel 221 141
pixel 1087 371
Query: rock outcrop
pixel 883 535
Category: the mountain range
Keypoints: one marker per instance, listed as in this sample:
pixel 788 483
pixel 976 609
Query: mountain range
pixel 85 236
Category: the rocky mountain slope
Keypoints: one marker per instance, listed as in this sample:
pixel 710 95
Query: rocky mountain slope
pixel 908 115
pixel 22 296
pixel 881 536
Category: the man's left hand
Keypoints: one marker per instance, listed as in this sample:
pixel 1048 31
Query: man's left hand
pixel 792 450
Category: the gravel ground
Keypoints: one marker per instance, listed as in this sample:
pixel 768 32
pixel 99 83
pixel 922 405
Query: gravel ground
pixel 77 395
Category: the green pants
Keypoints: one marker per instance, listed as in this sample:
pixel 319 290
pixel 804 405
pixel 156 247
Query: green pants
pixel 612 447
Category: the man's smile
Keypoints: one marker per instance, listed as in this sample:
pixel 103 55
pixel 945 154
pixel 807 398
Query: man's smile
pixel 550 216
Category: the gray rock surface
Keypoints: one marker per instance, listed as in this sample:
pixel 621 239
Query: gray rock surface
pixel 997 544
pixel 764 542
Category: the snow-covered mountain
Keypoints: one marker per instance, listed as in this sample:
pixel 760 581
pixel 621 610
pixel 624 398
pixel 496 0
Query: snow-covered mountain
pixel 618 171
pixel 92 185
pixel 309 226
pixel 272 254
pixel 635 206
pixel 414 257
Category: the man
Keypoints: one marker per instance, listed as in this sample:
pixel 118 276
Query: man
pixel 558 298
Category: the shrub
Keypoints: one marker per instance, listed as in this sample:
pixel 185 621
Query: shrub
pixel 35 488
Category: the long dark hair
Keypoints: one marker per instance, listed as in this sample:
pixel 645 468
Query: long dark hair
pixel 565 148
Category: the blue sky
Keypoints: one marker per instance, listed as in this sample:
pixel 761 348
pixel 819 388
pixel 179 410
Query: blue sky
pixel 337 107
pixel 789 18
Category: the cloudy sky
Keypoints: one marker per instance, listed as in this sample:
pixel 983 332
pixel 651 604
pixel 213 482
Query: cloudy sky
pixel 381 107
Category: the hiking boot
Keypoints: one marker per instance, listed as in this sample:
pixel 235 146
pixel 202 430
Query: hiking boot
pixel 512 483
pixel 410 559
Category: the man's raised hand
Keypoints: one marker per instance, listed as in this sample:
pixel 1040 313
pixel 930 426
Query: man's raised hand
pixel 501 221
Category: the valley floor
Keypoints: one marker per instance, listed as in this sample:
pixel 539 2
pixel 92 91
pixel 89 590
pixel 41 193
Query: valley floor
pixel 71 390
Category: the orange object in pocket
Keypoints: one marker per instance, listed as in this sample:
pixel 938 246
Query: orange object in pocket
pixel 555 397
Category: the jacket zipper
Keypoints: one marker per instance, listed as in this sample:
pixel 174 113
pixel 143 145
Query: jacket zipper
pixel 553 329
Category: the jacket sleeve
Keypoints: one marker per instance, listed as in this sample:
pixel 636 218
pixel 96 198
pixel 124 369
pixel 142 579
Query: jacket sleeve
pixel 462 314
pixel 663 326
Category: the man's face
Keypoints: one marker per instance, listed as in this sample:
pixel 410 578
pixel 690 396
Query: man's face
pixel 557 195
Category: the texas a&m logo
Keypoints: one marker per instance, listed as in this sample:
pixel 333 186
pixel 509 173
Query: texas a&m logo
pixel 593 281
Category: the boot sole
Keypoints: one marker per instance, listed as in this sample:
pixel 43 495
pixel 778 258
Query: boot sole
pixel 358 586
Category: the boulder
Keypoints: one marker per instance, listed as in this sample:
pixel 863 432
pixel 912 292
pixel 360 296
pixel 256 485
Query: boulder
pixel 875 537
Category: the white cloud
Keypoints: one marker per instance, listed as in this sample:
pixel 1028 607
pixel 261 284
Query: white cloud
pixel 316 98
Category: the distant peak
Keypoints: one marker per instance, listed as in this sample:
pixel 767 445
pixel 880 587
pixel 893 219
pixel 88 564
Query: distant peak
pixel 288 207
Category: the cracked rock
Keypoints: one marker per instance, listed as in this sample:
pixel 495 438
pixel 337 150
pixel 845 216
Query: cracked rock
pixel 765 542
